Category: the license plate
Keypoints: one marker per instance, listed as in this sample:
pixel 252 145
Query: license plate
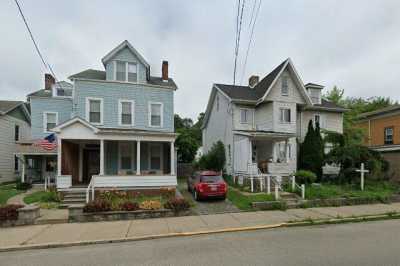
pixel 213 188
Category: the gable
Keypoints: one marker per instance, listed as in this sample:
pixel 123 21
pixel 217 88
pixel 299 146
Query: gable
pixel 19 114
pixel 76 130
pixel 294 94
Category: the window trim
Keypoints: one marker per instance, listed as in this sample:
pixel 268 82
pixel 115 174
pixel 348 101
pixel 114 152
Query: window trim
pixel 88 99
pixel 126 71
pixel 247 122
pixel 281 120
pixel 45 121
pixel 120 102
pixel 385 135
pixel 287 86
pixel 17 136
pixel 161 114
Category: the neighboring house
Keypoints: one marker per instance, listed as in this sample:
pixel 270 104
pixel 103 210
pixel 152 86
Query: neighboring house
pixel 14 126
pixel 114 128
pixel 263 122
pixel 382 133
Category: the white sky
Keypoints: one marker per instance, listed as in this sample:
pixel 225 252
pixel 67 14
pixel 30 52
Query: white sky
pixel 353 44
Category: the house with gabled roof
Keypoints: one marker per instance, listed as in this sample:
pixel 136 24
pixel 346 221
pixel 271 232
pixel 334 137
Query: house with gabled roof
pixel 114 128
pixel 14 125
pixel 264 122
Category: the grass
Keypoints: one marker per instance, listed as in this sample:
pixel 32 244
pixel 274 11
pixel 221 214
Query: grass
pixel 243 202
pixel 182 187
pixel 7 191
pixel 42 197
pixel 376 190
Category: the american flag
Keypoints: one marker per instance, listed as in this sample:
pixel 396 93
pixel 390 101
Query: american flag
pixel 49 143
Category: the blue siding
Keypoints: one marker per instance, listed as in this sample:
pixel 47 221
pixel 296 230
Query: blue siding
pixel 111 92
pixel 127 56
pixel 40 105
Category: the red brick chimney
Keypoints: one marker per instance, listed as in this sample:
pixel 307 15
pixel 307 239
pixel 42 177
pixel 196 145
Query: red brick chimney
pixel 49 81
pixel 164 71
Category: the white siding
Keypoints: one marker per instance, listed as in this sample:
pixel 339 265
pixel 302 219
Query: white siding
pixel 287 127
pixel 264 117
pixel 330 121
pixel 236 110
pixel 8 147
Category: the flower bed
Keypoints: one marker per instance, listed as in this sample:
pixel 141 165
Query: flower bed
pixel 11 215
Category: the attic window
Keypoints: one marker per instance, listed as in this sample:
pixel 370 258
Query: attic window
pixel 285 87
pixel 126 71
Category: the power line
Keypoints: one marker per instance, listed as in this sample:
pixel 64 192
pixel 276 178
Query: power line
pixel 46 65
pixel 238 41
pixel 250 40
pixel 252 12
pixel 236 38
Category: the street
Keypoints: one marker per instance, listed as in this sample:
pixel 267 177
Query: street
pixel 372 243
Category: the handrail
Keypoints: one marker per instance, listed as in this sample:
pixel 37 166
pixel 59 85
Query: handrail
pixel 90 188
pixel 302 187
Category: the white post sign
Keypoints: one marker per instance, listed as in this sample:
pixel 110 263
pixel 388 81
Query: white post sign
pixel 362 171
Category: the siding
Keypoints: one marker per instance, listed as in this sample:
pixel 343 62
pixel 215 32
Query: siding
pixel 111 92
pixel 264 117
pixel 8 147
pixel 378 126
pixel 236 111
pixel 332 122
pixel 126 56
pixel 40 105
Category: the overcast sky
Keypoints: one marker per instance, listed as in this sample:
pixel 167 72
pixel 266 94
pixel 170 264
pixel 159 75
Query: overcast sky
pixel 353 44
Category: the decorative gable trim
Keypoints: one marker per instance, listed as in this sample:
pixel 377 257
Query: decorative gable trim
pixel 124 44
pixel 72 121
pixel 297 79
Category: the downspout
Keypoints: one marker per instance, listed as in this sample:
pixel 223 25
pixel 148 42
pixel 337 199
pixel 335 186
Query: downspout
pixel 369 132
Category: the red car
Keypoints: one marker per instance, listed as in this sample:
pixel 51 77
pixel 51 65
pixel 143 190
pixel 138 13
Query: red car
pixel 207 184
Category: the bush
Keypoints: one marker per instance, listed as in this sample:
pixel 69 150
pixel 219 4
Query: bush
pixel 305 177
pixel 129 206
pixel 150 205
pixel 23 186
pixel 98 205
pixel 177 204
pixel 9 212
pixel 215 159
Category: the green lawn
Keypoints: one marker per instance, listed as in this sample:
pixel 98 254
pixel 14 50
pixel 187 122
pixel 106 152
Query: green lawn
pixel 377 190
pixel 243 201
pixel 7 191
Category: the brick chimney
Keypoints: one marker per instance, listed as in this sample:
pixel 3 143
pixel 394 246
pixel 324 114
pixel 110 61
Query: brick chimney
pixel 49 81
pixel 253 80
pixel 164 71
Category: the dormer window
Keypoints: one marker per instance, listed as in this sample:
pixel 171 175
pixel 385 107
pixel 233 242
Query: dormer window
pixel 126 71
pixel 285 86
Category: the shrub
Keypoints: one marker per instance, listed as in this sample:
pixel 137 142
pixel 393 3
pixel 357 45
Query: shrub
pixel 305 177
pixel 215 159
pixel 9 212
pixel 23 185
pixel 129 206
pixel 150 205
pixel 51 196
pixel 98 205
pixel 177 204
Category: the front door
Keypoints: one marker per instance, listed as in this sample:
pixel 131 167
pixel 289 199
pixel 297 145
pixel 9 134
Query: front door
pixel 91 164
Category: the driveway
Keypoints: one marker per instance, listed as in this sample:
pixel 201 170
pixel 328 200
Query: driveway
pixel 211 206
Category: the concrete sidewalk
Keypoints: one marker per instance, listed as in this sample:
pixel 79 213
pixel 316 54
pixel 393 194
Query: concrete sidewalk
pixel 75 233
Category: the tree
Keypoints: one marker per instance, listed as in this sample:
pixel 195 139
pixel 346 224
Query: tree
pixel 187 146
pixel 335 95
pixel 312 151
pixel 215 159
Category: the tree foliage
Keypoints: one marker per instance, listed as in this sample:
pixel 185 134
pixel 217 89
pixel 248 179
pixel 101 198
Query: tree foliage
pixel 215 159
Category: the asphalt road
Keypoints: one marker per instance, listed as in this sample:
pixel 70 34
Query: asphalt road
pixel 373 243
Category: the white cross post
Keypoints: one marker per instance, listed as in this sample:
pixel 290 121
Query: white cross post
pixel 362 171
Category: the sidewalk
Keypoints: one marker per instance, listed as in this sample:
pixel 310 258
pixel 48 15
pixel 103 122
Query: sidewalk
pixel 86 233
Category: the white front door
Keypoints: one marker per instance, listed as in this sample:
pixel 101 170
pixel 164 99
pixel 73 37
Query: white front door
pixel 242 155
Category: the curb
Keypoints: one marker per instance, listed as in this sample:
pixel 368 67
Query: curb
pixel 186 234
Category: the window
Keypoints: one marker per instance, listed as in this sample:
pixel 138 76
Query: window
pixel 16 163
pixel 285 115
pixel 50 120
pixel 389 135
pixel 121 71
pixel 132 72
pixel 16 132
pixel 126 112
pixel 155 156
pixel 126 71
pixel 51 164
pixel 94 110
pixel 285 87
pixel 126 156
pixel 156 114
pixel 315 95
pixel 246 116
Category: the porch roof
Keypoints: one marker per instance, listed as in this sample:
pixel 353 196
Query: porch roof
pixel 29 148
pixel 264 134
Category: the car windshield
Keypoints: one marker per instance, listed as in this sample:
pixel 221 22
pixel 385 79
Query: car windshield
pixel 210 178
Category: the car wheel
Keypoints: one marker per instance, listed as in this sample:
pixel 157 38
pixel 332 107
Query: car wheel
pixel 196 196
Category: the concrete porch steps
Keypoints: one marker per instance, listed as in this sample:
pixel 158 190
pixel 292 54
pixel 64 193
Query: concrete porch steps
pixel 73 197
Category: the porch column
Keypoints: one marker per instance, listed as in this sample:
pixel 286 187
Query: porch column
pixel 23 169
pixel 286 151
pixel 138 157
pixel 102 157
pixel 172 151
pixel 59 146
pixel 274 152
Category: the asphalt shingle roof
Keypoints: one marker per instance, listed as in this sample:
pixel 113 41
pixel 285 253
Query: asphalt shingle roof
pixel 6 106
